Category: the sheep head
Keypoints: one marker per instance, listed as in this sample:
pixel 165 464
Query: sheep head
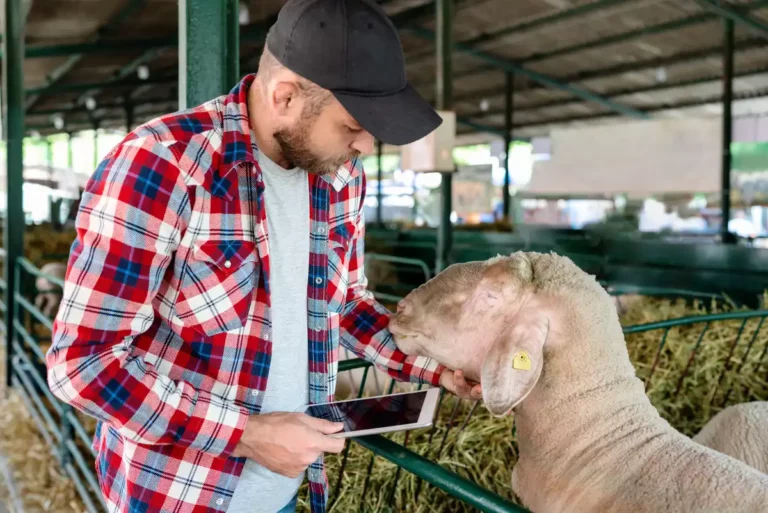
pixel 493 319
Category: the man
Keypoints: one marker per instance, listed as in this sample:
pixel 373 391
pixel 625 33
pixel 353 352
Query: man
pixel 219 264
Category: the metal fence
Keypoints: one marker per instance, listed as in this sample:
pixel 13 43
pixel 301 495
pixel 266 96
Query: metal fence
pixel 69 437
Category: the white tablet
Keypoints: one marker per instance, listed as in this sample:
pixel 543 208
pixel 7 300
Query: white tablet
pixel 381 414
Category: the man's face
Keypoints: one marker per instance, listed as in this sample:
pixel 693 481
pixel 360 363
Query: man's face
pixel 320 140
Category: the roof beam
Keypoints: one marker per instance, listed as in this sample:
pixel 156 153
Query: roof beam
pixel 634 34
pixel 619 38
pixel 125 71
pixel 619 93
pixel 537 23
pixel 735 15
pixel 161 101
pixel 697 102
pixel 74 108
pixel 612 71
pixel 252 33
pixel 69 88
pixel 34 52
pixel 545 80
pixel 582 10
pixel 130 7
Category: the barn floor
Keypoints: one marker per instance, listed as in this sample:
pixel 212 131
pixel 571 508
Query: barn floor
pixel 30 482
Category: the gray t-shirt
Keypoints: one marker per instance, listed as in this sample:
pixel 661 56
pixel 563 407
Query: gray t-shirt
pixel 286 197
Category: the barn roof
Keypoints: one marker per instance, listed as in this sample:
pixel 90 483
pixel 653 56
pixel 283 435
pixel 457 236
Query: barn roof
pixel 574 61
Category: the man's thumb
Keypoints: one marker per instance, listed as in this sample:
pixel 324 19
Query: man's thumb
pixel 324 426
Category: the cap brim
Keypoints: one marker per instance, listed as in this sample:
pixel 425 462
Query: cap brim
pixel 398 119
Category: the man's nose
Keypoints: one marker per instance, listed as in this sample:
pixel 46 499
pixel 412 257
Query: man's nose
pixel 363 143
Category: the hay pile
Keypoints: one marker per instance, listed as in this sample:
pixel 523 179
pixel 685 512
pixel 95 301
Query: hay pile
pixel 729 367
pixel 40 481
pixel 485 450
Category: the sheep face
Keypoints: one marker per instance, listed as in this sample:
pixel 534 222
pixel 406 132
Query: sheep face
pixel 490 319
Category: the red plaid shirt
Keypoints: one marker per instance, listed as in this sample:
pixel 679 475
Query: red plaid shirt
pixel 164 329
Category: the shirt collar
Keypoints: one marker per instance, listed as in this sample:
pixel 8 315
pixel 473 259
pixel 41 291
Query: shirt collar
pixel 239 146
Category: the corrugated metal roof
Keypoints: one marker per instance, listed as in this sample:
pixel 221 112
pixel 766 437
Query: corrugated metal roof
pixel 650 55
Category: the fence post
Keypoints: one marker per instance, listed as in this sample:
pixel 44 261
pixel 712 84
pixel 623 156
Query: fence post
pixel 66 436
pixel 13 126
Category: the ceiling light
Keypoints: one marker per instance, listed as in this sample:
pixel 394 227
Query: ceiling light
pixel 245 16
pixel 143 72
pixel 485 105
pixel 58 121
pixel 90 103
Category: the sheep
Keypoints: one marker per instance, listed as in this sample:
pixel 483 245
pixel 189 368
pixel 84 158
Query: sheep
pixel 740 431
pixel 544 339
pixel 48 297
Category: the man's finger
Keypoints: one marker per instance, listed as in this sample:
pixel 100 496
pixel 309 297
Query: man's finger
pixel 462 387
pixel 331 444
pixel 324 426
pixel 477 392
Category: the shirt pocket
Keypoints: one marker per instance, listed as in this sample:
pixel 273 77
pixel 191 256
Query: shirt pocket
pixel 217 286
pixel 339 241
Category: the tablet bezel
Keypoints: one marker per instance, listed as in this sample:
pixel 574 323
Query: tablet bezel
pixel 426 415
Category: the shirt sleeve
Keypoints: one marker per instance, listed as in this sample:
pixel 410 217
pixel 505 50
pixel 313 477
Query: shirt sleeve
pixel 132 216
pixel 364 322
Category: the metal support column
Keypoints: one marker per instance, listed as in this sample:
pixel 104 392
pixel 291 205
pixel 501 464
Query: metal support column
pixel 95 144
pixel 70 157
pixel 13 127
pixel 232 68
pixel 54 204
pixel 208 50
pixel 129 110
pixel 444 84
pixel 49 157
pixel 725 203
pixel 380 187
pixel 508 112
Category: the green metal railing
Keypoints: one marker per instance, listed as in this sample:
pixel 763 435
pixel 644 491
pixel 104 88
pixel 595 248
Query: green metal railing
pixel 70 441
pixel 58 423
pixel 409 263
pixel 707 320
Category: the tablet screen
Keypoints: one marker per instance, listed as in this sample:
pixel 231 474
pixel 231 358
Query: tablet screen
pixel 372 413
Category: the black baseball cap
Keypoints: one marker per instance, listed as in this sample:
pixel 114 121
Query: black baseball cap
pixel 351 48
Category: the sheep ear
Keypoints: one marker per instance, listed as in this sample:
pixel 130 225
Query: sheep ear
pixel 514 363
pixel 486 296
pixel 490 291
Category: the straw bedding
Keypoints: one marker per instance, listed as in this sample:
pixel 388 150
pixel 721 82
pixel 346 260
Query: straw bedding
pixel 484 451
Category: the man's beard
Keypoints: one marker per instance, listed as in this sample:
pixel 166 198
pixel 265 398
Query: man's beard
pixel 294 144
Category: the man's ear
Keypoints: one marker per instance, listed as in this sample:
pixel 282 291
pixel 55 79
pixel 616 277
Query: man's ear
pixel 514 363
pixel 284 97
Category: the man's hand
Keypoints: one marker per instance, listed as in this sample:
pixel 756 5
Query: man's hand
pixel 287 443
pixel 454 382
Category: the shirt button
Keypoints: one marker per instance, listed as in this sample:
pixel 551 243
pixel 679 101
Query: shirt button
pixel 318 328
pixel 254 392
pixel 318 280
pixel 321 229
pixel 219 501
pixel 227 264
pixel 266 336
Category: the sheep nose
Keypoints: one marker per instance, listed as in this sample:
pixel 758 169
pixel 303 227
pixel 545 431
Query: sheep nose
pixel 403 307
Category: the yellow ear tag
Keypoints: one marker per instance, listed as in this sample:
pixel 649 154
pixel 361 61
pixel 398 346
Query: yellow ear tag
pixel 521 361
